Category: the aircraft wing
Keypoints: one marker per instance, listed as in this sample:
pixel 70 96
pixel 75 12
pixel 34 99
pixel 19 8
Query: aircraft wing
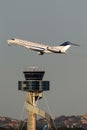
pixel 36 48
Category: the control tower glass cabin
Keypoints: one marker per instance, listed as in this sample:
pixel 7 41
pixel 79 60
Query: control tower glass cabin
pixel 33 81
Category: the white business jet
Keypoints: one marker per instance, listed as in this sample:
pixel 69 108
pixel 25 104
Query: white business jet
pixel 41 48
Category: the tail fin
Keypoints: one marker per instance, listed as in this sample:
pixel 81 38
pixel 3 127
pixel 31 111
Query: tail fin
pixel 67 45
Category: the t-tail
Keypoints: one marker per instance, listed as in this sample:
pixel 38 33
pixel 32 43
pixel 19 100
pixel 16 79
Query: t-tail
pixel 66 45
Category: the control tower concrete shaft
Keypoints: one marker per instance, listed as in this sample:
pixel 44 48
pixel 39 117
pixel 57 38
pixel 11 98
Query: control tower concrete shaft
pixel 34 86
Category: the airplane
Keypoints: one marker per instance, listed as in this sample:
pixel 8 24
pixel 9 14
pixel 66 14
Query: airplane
pixel 41 48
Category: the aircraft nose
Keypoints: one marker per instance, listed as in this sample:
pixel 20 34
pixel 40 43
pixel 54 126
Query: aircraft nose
pixel 10 41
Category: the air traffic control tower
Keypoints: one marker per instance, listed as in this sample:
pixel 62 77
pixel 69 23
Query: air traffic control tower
pixel 34 86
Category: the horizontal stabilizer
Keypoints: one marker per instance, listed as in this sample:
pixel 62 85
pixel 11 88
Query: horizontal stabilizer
pixel 68 43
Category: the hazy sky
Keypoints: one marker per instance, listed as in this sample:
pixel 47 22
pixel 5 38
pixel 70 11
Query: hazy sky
pixel 50 22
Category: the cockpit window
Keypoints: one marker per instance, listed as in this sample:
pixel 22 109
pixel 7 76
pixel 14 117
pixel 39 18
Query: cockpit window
pixel 12 39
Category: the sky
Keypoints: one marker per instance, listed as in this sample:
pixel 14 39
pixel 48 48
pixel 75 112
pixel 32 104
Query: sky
pixel 49 22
